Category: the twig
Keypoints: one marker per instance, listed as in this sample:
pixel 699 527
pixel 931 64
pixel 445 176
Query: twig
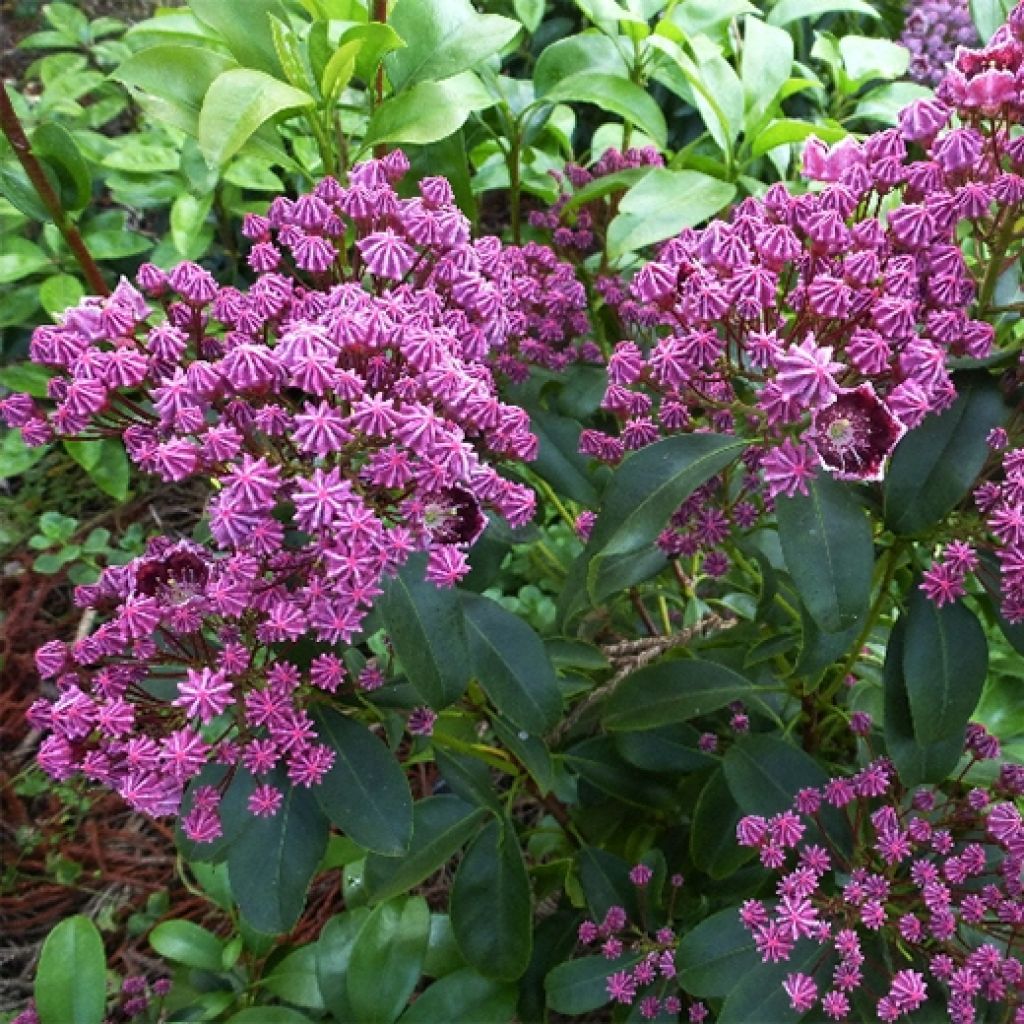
pixel 632 655
pixel 15 134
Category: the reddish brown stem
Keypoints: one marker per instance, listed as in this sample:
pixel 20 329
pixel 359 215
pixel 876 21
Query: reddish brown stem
pixel 15 134
pixel 380 14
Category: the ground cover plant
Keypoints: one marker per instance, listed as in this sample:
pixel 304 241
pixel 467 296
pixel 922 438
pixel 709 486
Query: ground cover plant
pixel 530 524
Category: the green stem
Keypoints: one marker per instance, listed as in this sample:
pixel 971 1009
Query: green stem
pixel 995 260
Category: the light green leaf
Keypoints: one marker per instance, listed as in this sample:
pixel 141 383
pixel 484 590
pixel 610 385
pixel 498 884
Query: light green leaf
pixel 427 112
pixel 766 63
pixel 443 37
pixel 170 80
pixel 787 11
pixel 71 980
pixel 60 292
pixel 866 58
pixel 19 258
pixel 184 942
pixel 616 95
pixel 238 103
pixel 661 204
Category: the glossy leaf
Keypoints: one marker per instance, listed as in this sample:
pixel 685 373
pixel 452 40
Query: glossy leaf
pixel 55 144
pixel 443 37
pixel 581 984
pixel 935 466
pixel 71 979
pixel 491 905
pixel 365 793
pixel 333 953
pixel 558 459
pixel 827 544
pixel 588 52
pixel 244 27
pixel 272 863
pixel 386 959
pixel 59 292
pixel 787 11
pixel 442 825
pixel 673 691
pixel 615 95
pixel 713 843
pixel 428 633
pixel 238 103
pixel 294 978
pixel 916 762
pixel 427 112
pixel 19 258
pixel 764 773
pixel 759 996
pixel 187 943
pixel 641 495
pixel 173 79
pixel 661 204
pixel 463 995
pixel 766 63
pixel 945 661
pixel 510 662
pixel 714 953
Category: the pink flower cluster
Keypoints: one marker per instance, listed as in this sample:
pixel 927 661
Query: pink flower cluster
pixel 582 231
pixel 937 875
pixel 653 965
pixel 344 413
pixel 1002 504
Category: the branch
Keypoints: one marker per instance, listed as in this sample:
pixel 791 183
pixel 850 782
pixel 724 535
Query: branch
pixel 15 134
pixel 629 656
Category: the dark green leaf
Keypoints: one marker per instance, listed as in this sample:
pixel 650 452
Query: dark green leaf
pixel 112 472
pixel 764 773
pixel 16 456
pixel 491 905
pixel 463 995
pixel 641 495
pixel 443 37
pixel 441 827
pixel 605 880
pixel 714 954
pixel 945 660
pixel 19 258
pixel 758 995
pixel 386 959
pixel 558 460
pixel 934 467
pixel 826 541
pixel 267 1015
pixel 428 632
pixel 665 748
pixel 673 691
pixel 272 863
pixel 510 662
pixel 916 762
pixel 468 778
pixel 71 979
pixel 598 762
pixel 581 985
pixel 54 142
pixel 365 793
pixel 713 843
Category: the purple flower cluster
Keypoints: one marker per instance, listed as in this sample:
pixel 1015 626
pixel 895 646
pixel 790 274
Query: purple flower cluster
pixel 651 969
pixel 581 230
pixel 932 32
pixel 345 415
pixel 938 875
pixel 136 996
